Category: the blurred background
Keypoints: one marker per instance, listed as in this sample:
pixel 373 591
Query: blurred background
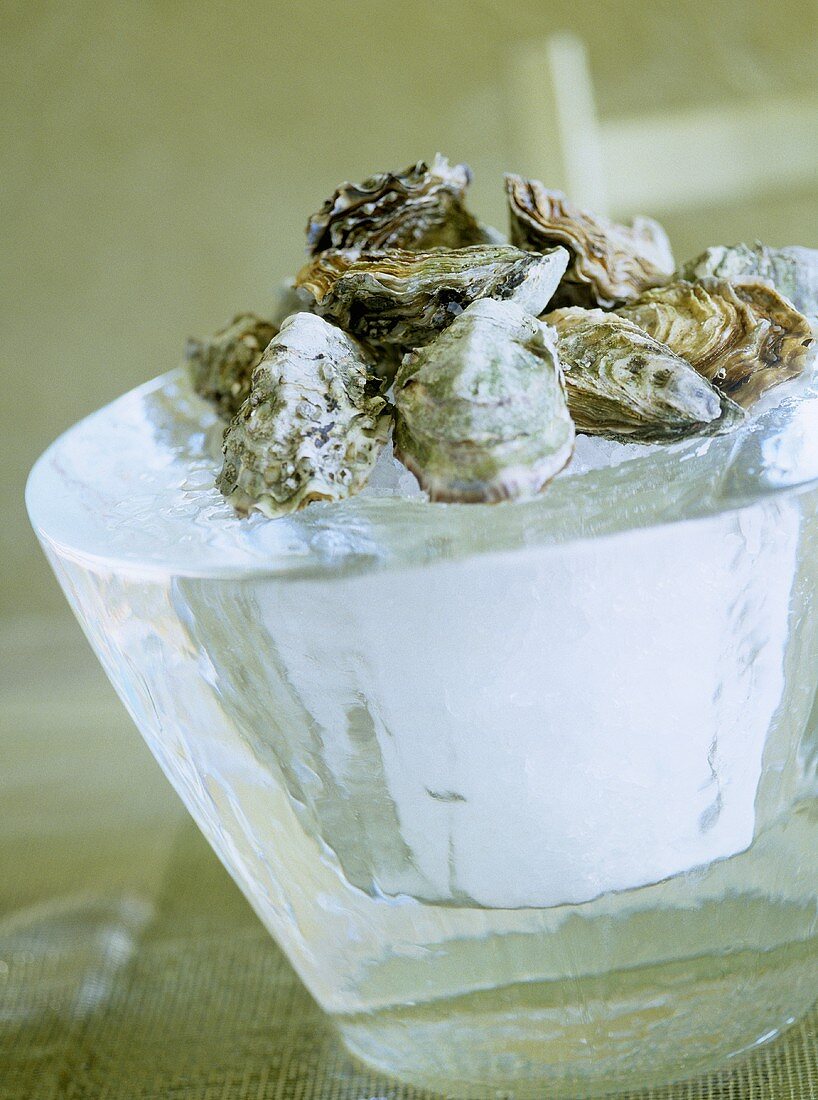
pixel 160 161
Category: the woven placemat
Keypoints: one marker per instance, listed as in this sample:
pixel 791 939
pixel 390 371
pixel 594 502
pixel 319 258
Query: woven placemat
pixel 186 997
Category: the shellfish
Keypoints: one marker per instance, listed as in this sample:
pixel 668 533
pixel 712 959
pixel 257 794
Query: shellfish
pixel 405 299
pixel 419 208
pixel 743 336
pixel 313 424
pixel 623 384
pixel 793 270
pixel 221 367
pixel 609 263
pixel 481 413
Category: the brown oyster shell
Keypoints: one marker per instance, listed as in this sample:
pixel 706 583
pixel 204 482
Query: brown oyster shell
pixel 421 207
pixel 743 336
pixel 609 263
pixel 221 367
pixel 792 270
pixel 625 385
pixel 398 298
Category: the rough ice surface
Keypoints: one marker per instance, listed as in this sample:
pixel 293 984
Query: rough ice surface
pixel 503 706
pixel 390 478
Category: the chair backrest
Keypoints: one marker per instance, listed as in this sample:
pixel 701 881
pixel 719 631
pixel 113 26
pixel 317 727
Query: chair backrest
pixel 655 163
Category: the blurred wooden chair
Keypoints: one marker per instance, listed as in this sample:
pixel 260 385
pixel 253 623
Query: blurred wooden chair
pixel 662 162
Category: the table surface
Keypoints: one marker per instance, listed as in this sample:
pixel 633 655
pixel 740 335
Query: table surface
pixel 130 964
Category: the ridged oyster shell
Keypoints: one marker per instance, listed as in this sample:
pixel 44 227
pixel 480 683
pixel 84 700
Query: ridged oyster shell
pixel 221 367
pixel 419 208
pixel 609 263
pixel 793 270
pixel 743 336
pixel 311 428
pixel 481 413
pixel 623 384
pixel 404 299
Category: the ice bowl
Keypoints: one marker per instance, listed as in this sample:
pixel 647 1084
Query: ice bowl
pixel 527 793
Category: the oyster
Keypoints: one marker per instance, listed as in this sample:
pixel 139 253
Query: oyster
pixel 311 428
pixel 221 368
pixel 297 299
pixel 481 413
pixel 744 336
pixel 623 384
pixel 609 263
pixel 404 299
pixel 419 208
pixel 793 271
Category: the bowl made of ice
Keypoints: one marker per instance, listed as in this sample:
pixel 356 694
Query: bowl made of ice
pixel 464 751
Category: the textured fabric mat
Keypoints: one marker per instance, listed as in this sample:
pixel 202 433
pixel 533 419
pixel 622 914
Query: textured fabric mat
pixel 185 997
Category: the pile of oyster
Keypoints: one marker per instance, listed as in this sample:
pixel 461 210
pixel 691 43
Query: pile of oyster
pixel 482 357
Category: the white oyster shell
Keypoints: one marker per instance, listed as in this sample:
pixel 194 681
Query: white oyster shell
pixel 313 425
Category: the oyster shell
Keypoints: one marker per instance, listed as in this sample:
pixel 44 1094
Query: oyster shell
pixel 404 299
pixel 623 384
pixel 609 263
pixel 311 428
pixel 744 337
pixel 221 367
pixel 481 413
pixel 297 299
pixel 793 270
pixel 419 208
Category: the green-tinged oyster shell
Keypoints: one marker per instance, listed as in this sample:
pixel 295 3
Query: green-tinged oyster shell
pixel 221 367
pixel 481 413
pixel 793 270
pixel 419 208
pixel 311 428
pixel 609 263
pixel 625 385
pixel 404 299
pixel 743 336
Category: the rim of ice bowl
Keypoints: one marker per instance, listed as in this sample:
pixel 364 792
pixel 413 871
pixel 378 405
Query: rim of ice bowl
pixel 103 519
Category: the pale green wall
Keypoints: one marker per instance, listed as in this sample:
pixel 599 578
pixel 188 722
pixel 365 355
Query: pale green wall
pixel 160 160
